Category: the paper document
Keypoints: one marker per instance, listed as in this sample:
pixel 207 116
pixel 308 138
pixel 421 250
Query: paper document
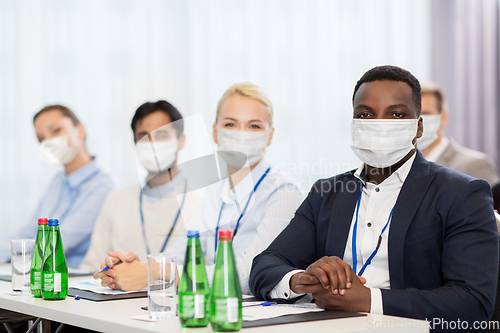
pixel 252 313
pixel 94 286
pixel 145 317
pixel 5 269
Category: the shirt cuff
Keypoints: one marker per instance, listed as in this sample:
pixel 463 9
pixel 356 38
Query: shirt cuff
pixel 376 302
pixel 282 289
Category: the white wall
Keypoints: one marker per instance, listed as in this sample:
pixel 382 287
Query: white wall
pixel 105 58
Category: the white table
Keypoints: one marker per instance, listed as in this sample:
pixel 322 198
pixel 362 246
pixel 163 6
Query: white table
pixel 114 316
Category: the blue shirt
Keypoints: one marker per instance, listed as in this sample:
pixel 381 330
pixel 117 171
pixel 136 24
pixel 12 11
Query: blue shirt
pixel 75 199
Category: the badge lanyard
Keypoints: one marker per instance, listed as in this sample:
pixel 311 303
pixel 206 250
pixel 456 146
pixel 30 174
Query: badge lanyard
pixel 354 231
pixel 244 209
pixel 173 226
pixel 73 197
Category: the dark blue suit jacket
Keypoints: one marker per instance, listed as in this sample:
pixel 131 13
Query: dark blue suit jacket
pixel 443 242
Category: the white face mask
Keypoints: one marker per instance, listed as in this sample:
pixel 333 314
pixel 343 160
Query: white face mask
pixel 252 144
pixel 381 143
pixel 57 151
pixel 431 126
pixel 165 152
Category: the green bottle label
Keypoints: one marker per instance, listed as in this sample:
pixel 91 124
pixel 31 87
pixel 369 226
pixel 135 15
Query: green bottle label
pixel 226 309
pixel 37 281
pixel 52 282
pixel 193 306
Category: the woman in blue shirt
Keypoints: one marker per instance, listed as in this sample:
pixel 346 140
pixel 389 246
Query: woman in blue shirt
pixel 76 194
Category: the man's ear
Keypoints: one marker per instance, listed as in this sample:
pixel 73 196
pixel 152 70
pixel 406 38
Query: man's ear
pixel 420 128
pixel 182 141
pixel 445 119
pixel 214 133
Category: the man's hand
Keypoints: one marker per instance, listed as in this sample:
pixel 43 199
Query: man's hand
pixel 130 275
pixel 357 298
pixel 330 273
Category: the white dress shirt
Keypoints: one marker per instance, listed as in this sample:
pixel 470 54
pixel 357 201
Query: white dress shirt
pixel 375 208
pixel 270 209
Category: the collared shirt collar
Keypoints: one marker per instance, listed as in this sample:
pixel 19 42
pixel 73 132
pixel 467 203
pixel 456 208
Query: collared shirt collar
pixel 243 189
pixel 435 153
pixel 167 189
pixel 76 178
pixel 402 172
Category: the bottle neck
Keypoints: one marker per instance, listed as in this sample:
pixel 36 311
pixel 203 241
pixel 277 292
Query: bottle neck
pixel 54 228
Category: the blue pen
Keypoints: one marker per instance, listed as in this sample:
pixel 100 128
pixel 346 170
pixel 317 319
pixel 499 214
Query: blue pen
pixel 104 269
pixel 260 304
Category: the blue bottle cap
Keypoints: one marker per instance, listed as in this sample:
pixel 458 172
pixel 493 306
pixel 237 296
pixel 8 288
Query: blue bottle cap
pixel 53 222
pixel 193 234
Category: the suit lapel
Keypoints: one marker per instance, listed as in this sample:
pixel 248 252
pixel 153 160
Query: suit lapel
pixel 341 217
pixel 447 154
pixel 412 193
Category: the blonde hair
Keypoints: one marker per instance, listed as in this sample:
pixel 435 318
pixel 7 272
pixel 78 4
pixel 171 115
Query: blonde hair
pixel 247 89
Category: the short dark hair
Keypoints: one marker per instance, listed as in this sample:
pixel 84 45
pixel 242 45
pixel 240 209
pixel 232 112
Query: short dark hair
pixel 163 106
pixel 393 73
pixel 63 109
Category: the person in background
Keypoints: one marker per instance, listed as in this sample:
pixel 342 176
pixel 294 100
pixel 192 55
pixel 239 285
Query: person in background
pixel 243 129
pixel 400 235
pixel 76 194
pixel 496 197
pixel 147 219
pixel 437 147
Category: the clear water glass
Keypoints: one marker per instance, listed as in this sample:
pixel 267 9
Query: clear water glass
pixel 21 256
pixel 162 286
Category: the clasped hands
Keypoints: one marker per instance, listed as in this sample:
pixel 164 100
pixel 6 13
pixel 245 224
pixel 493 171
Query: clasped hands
pixel 334 285
pixel 129 275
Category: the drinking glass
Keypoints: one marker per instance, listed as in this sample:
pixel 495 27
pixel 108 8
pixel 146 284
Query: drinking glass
pixel 162 286
pixel 22 254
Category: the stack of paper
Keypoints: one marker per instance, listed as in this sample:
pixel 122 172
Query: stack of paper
pixel 256 312
pixel 94 286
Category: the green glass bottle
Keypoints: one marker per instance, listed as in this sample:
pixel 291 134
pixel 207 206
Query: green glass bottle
pixel 37 261
pixel 225 302
pixel 54 268
pixel 194 292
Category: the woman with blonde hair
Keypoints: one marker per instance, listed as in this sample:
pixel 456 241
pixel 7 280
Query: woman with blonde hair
pixel 255 200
